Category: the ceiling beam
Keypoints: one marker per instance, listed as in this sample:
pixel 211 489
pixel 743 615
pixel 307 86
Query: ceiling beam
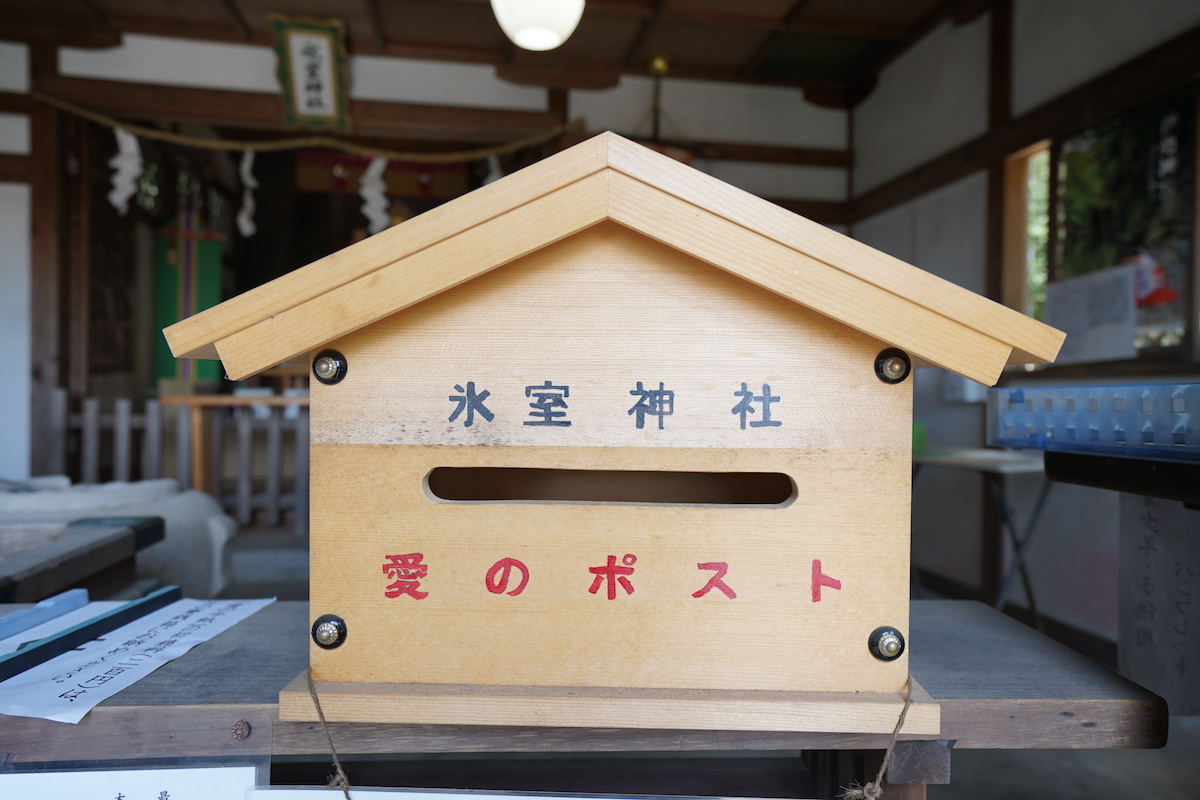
pixel 768 42
pixel 766 154
pixel 13 28
pixel 797 23
pixel 93 10
pixel 239 19
pixel 15 168
pixel 645 30
pixel 17 103
pixel 824 93
pixel 562 74
pixel 254 110
pixel 826 212
pixel 375 20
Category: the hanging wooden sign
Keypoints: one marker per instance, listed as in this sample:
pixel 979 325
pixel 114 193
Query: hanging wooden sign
pixel 312 72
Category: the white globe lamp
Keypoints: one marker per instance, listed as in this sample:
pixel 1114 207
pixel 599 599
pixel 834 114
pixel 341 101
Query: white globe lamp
pixel 538 24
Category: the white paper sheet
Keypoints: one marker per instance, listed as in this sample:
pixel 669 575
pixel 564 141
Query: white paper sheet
pixel 68 686
pixel 201 783
pixel 1096 311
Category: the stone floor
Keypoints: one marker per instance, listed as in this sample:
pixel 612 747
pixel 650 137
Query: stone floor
pixel 267 563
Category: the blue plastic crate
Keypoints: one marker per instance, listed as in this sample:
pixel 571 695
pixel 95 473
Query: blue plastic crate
pixel 1159 421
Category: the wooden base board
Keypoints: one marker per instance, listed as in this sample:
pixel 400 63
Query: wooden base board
pixel 594 707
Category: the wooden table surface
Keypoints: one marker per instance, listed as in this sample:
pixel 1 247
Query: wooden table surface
pixel 1001 685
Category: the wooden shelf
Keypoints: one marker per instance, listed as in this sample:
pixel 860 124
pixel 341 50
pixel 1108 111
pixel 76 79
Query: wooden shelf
pixel 999 685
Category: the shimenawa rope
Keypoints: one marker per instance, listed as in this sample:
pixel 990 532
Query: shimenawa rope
pixel 296 143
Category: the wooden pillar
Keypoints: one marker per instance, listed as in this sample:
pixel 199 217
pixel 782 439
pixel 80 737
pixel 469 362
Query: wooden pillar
pixel 558 101
pixel 78 289
pixel 999 114
pixel 46 263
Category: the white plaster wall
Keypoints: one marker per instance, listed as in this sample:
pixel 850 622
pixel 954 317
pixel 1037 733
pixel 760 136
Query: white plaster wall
pixel 717 112
pixel 14 67
pixel 252 68
pixel 15 330
pixel 694 109
pixel 929 100
pixel 176 62
pixel 943 233
pixel 438 83
pixel 14 134
pixel 1061 44
pixel 1073 556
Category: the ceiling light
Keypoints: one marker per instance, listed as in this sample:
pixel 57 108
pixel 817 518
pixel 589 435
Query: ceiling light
pixel 538 24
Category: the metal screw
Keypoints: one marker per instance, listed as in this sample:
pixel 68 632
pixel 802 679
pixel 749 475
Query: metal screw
pixel 895 368
pixel 241 730
pixel 325 367
pixel 892 366
pixel 329 631
pixel 886 643
pixel 329 366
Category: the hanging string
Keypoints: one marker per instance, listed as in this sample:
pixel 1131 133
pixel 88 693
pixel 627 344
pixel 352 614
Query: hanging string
pixel 340 778
pixel 874 789
pixel 303 142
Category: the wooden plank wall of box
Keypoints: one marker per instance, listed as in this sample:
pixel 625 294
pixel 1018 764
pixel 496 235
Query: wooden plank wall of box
pixel 611 443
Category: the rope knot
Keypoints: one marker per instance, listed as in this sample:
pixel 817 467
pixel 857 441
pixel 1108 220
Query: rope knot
pixel 874 789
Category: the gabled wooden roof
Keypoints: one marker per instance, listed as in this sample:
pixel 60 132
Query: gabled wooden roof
pixel 608 177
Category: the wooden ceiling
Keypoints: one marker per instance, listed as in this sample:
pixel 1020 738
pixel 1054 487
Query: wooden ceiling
pixel 832 49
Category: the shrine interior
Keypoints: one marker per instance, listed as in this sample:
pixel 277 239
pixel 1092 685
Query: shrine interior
pixel 155 162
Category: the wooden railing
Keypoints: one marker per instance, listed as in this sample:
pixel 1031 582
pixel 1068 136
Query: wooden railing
pixel 239 449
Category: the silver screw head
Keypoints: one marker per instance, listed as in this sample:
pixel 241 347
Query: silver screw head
pixel 326 633
pixel 895 368
pixel 329 631
pixel 326 367
pixel 886 643
pixel 892 365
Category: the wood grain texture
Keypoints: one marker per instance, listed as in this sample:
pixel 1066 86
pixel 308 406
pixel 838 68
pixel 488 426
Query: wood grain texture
pixel 387 247
pixel 851 712
pixel 833 249
pixel 771 636
pixel 70 560
pixel 597 313
pixel 363 296
pixel 138 734
pixel 999 684
pixel 563 314
pixel 992 677
pixel 838 294
pixel 428 272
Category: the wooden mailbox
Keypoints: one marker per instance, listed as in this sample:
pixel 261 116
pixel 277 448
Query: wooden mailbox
pixel 611 443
